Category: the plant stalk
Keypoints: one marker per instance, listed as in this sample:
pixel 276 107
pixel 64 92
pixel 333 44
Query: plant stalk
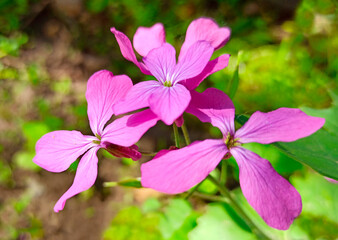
pixel 185 134
pixel 176 136
pixel 224 191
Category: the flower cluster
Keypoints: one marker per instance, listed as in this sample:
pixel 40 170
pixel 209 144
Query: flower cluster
pixel 167 98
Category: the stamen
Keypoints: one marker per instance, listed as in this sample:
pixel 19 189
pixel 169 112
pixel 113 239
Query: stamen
pixel 167 84
pixel 231 142
pixel 98 136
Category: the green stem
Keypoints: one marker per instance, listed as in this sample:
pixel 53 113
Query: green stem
pixel 151 154
pixel 185 134
pixel 223 177
pixel 224 191
pixel 191 191
pixel 212 198
pixel 110 184
pixel 176 136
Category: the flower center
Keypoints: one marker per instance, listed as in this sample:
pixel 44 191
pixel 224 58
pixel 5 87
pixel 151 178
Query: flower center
pixel 167 84
pixel 231 142
pixel 99 139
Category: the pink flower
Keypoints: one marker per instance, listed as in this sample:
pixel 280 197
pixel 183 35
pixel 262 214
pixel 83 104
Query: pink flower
pixel 169 96
pixel 274 198
pixel 57 150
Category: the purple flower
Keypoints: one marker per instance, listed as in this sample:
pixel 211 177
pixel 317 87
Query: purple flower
pixel 57 150
pixel 274 198
pixel 169 96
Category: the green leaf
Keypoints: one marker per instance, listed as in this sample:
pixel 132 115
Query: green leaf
pixel 319 151
pixel 233 84
pixel 207 186
pixel 178 220
pixel 217 224
pixel 33 131
pixel 131 224
pixel 321 198
pixel 280 162
pixel 24 160
pixel 151 204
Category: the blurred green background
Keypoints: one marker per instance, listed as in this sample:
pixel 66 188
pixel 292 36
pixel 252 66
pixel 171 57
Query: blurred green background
pixel 285 54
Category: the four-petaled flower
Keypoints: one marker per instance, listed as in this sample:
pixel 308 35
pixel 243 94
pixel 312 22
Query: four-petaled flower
pixel 169 96
pixel 57 150
pixel 274 198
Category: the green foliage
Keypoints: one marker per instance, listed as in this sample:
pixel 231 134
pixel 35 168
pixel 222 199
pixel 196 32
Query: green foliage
pixel 96 6
pixel 5 173
pixel 32 132
pixel 281 162
pixel 320 149
pixel 173 223
pixel 10 13
pixel 131 224
pixel 216 224
pixel 207 186
pixel 178 220
pixel 11 46
pixel 321 193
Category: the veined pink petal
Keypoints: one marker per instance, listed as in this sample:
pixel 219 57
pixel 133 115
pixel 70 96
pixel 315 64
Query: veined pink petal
pixel 169 103
pixel 215 107
pixel 213 66
pixel 148 38
pixel 281 125
pixel 161 62
pixel 179 170
pixel 127 50
pixel 56 151
pixel 129 129
pixel 137 97
pixel 273 197
pixel 205 29
pixel 103 90
pixel 193 62
pixel 85 177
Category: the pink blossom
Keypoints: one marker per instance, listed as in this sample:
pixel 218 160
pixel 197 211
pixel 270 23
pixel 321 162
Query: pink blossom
pixel 57 150
pixel 169 96
pixel 273 197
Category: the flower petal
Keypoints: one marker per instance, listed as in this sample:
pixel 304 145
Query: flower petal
pixel 178 170
pixel 205 29
pixel 85 177
pixel 56 151
pixel 169 103
pixel 193 62
pixel 283 124
pixel 148 38
pixel 273 197
pixel 137 97
pixel 212 66
pixel 161 62
pixel 215 107
pixel 127 50
pixel 103 90
pixel 129 129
